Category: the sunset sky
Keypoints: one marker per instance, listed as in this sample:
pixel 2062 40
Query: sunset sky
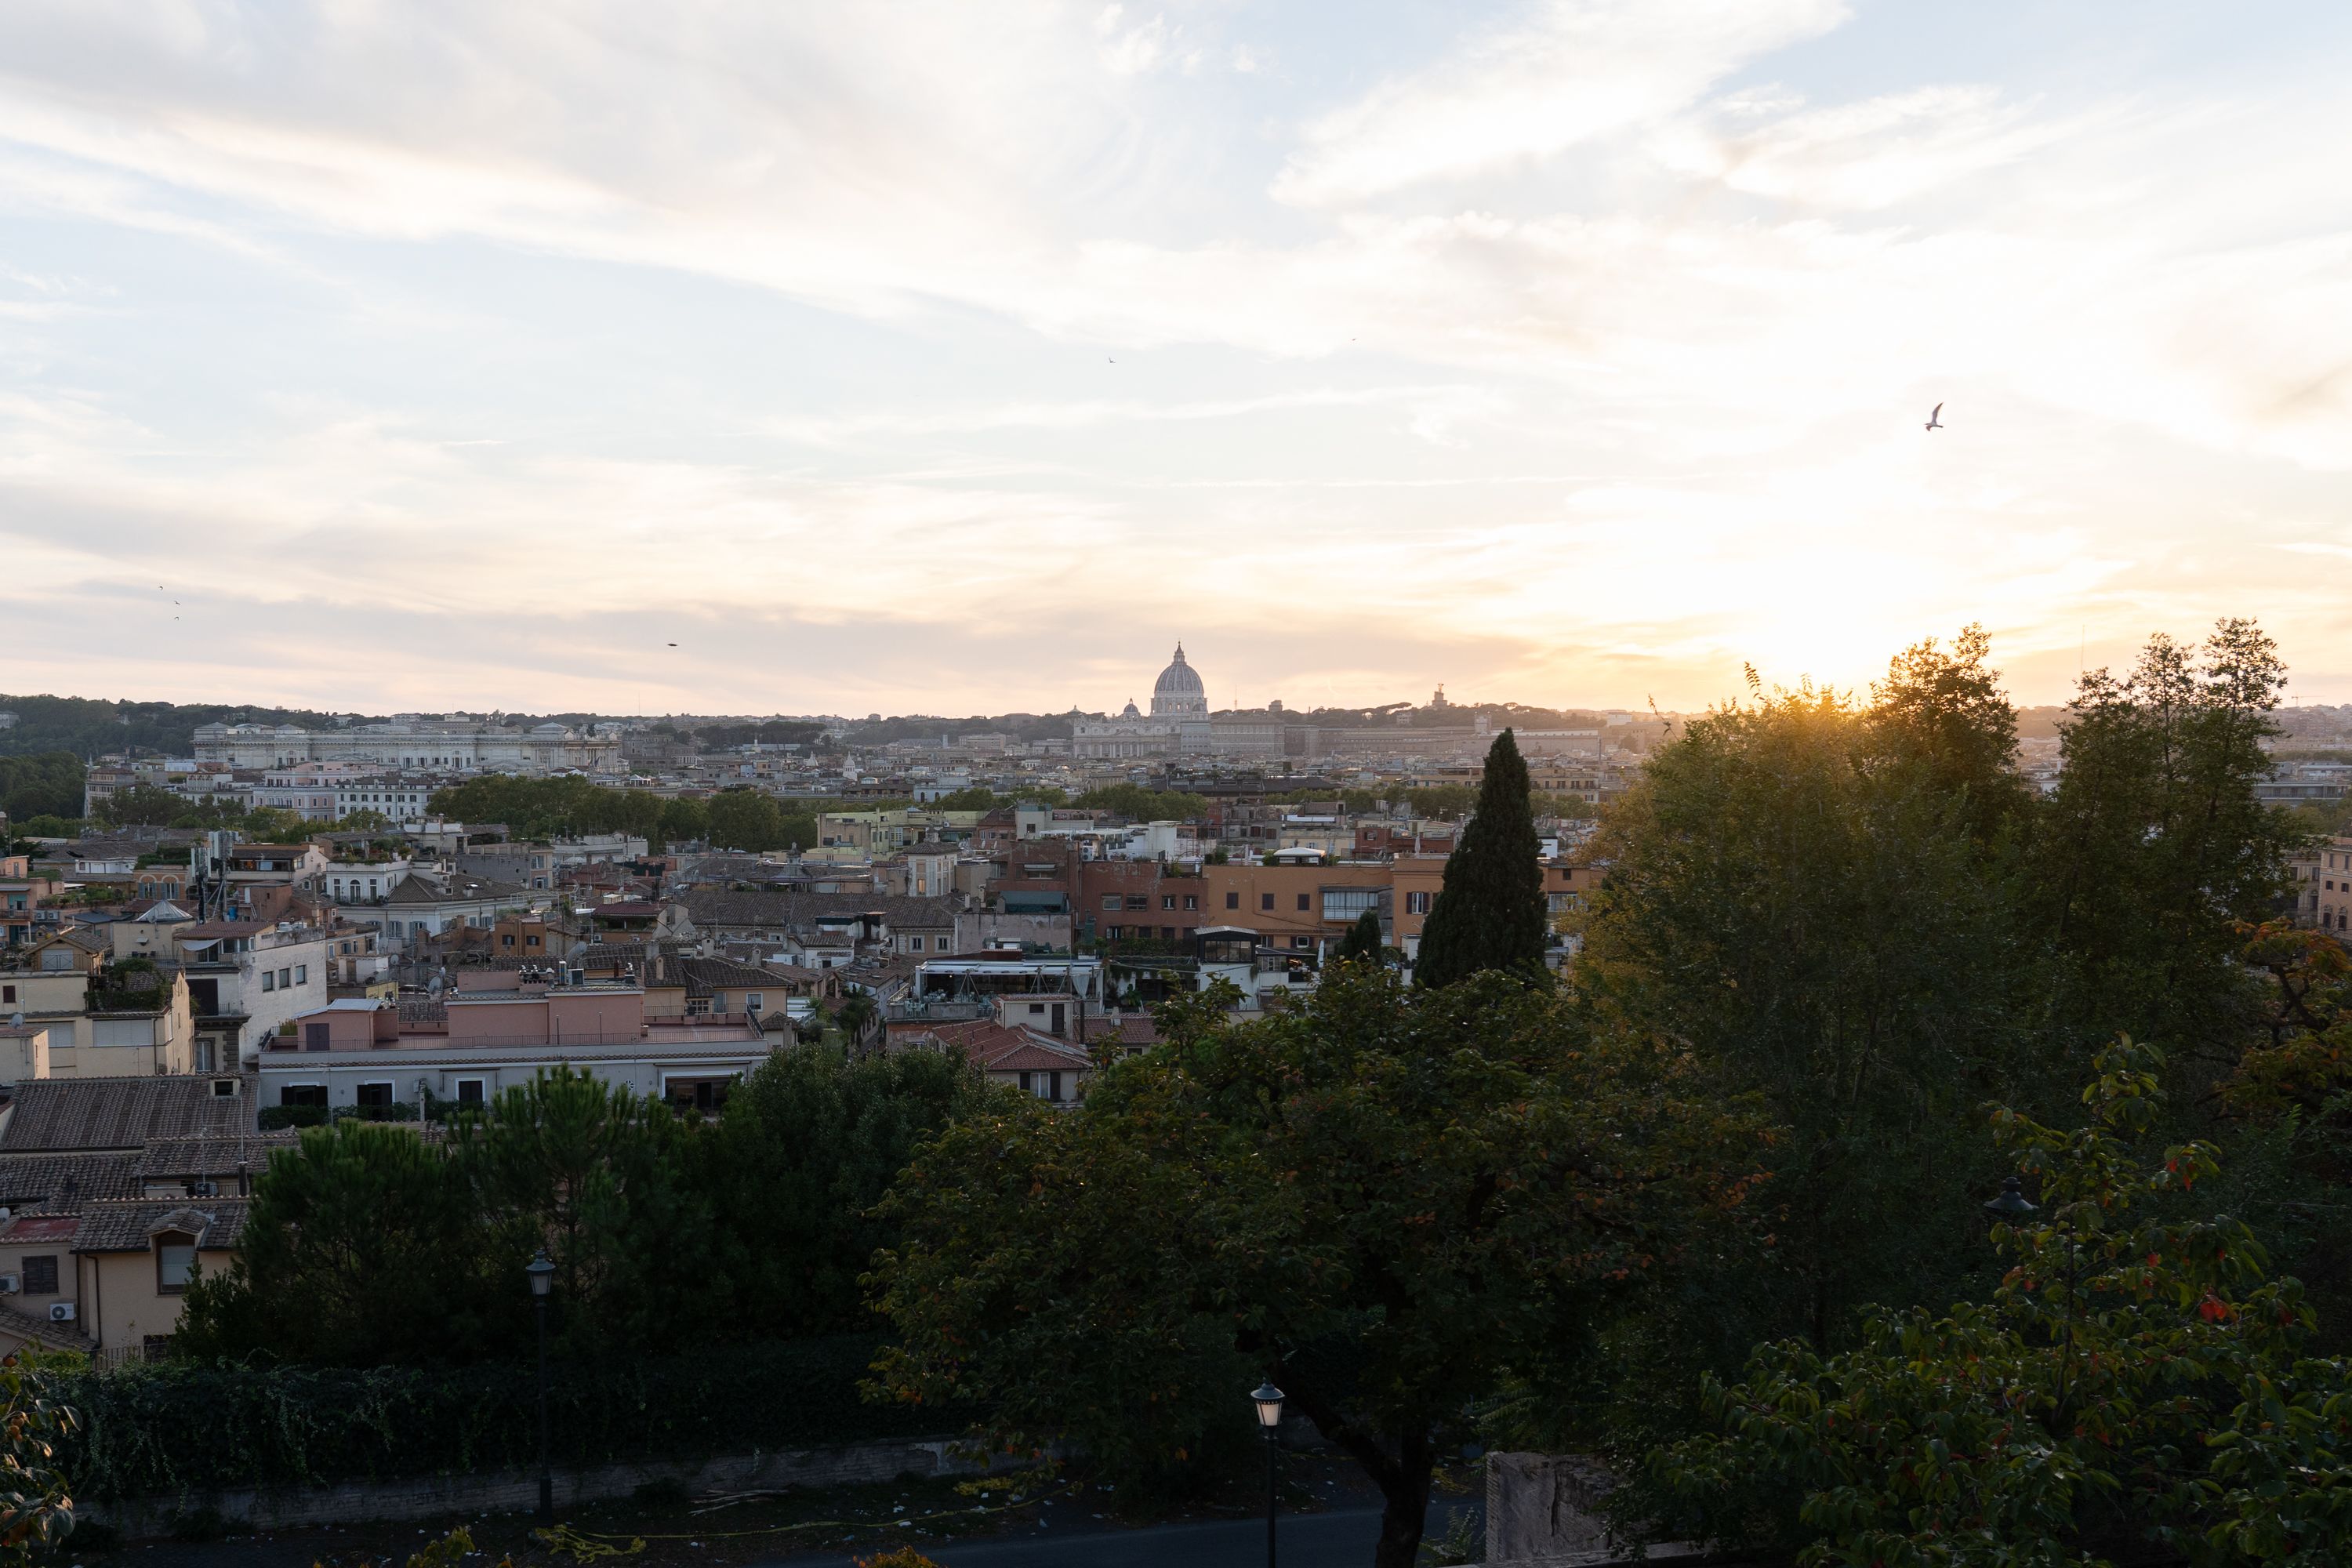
pixel 964 357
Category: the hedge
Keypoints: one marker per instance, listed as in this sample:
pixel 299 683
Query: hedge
pixel 180 1427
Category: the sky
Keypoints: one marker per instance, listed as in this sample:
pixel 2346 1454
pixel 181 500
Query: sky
pixel 426 354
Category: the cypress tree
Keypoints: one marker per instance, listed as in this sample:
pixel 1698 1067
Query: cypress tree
pixel 1490 913
pixel 1363 939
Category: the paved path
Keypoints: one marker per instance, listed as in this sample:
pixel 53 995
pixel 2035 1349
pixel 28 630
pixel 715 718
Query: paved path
pixel 1340 1539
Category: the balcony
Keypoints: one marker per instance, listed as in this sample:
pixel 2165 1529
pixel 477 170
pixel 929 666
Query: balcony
pixel 938 1010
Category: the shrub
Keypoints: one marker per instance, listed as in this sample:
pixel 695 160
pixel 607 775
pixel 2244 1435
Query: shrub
pixel 189 1428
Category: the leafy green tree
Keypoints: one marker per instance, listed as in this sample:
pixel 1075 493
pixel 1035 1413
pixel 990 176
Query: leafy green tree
pixel 36 1508
pixel 1362 943
pixel 142 805
pixel 600 1178
pixel 854 1015
pixel 1381 1199
pixel 1828 914
pixel 360 1249
pixel 47 783
pixel 805 1148
pixel 2156 848
pixel 2134 1391
pixel 272 825
pixel 1138 803
pixel 684 821
pixel 746 819
pixel 1448 802
pixel 364 821
pixel 1490 912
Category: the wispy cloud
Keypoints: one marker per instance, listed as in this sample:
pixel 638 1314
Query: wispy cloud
pixel 1563 73
pixel 1590 343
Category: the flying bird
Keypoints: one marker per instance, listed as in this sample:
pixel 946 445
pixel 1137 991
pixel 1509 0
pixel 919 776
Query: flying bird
pixel 1935 421
pixel 673 644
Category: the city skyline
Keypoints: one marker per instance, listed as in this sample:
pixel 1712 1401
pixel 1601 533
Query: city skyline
pixel 1574 354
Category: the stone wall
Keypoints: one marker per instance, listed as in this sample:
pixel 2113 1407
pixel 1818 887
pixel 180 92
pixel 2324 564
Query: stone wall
pixel 436 1497
pixel 1543 1511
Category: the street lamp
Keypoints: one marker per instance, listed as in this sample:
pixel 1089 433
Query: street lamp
pixel 2012 1205
pixel 541 1275
pixel 1268 1400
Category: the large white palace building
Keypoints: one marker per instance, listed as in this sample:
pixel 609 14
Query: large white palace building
pixel 451 745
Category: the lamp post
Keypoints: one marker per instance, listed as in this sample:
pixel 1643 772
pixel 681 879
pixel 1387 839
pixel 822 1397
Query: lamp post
pixel 1268 1400
pixel 542 1274
pixel 2012 1205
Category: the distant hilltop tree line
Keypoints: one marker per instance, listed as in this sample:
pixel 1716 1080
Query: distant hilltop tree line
pixel 86 727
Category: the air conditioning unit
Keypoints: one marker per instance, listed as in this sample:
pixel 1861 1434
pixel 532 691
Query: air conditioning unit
pixel 61 1311
pixel 11 1283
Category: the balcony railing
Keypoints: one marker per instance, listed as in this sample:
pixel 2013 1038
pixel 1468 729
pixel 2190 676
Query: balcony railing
pixel 939 1009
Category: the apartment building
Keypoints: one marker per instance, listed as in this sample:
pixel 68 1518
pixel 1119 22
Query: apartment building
pixel 114 1191
pixel 2330 886
pixel 501 1027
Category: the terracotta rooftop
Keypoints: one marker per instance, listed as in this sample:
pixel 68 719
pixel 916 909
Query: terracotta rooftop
pixel 130 1227
pixel 58 1114
pixel 62 1183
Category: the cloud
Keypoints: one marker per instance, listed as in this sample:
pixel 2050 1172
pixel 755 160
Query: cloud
pixel 1589 350
pixel 1567 72
pixel 1871 154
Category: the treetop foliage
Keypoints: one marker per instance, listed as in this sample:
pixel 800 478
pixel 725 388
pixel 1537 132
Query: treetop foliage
pixel 1380 1199
pixel 367 1245
pixel 2134 1385
pixel 1490 914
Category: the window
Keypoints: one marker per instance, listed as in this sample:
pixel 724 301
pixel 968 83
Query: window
pixel 1347 903
pixel 224 1088
pixel 1232 900
pixel 317 1037
pixel 469 1091
pixel 506 941
pixel 41 1275
pixel 915 945
pixel 1139 901
pixel 302 1094
pixel 1306 902
pixel 1113 902
pixel 269 980
pixel 373 1094
pixel 755 1002
pixel 1416 903
pixel 285 978
pixel 1265 902
pixel 301 975
pixel 1167 901
pixel 8 993
pixel 1192 900
pixel 175 1262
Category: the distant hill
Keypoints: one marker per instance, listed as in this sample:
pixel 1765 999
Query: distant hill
pixel 87 726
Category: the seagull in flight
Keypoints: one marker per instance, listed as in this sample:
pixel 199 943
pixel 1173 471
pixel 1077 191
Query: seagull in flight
pixel 1935 419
